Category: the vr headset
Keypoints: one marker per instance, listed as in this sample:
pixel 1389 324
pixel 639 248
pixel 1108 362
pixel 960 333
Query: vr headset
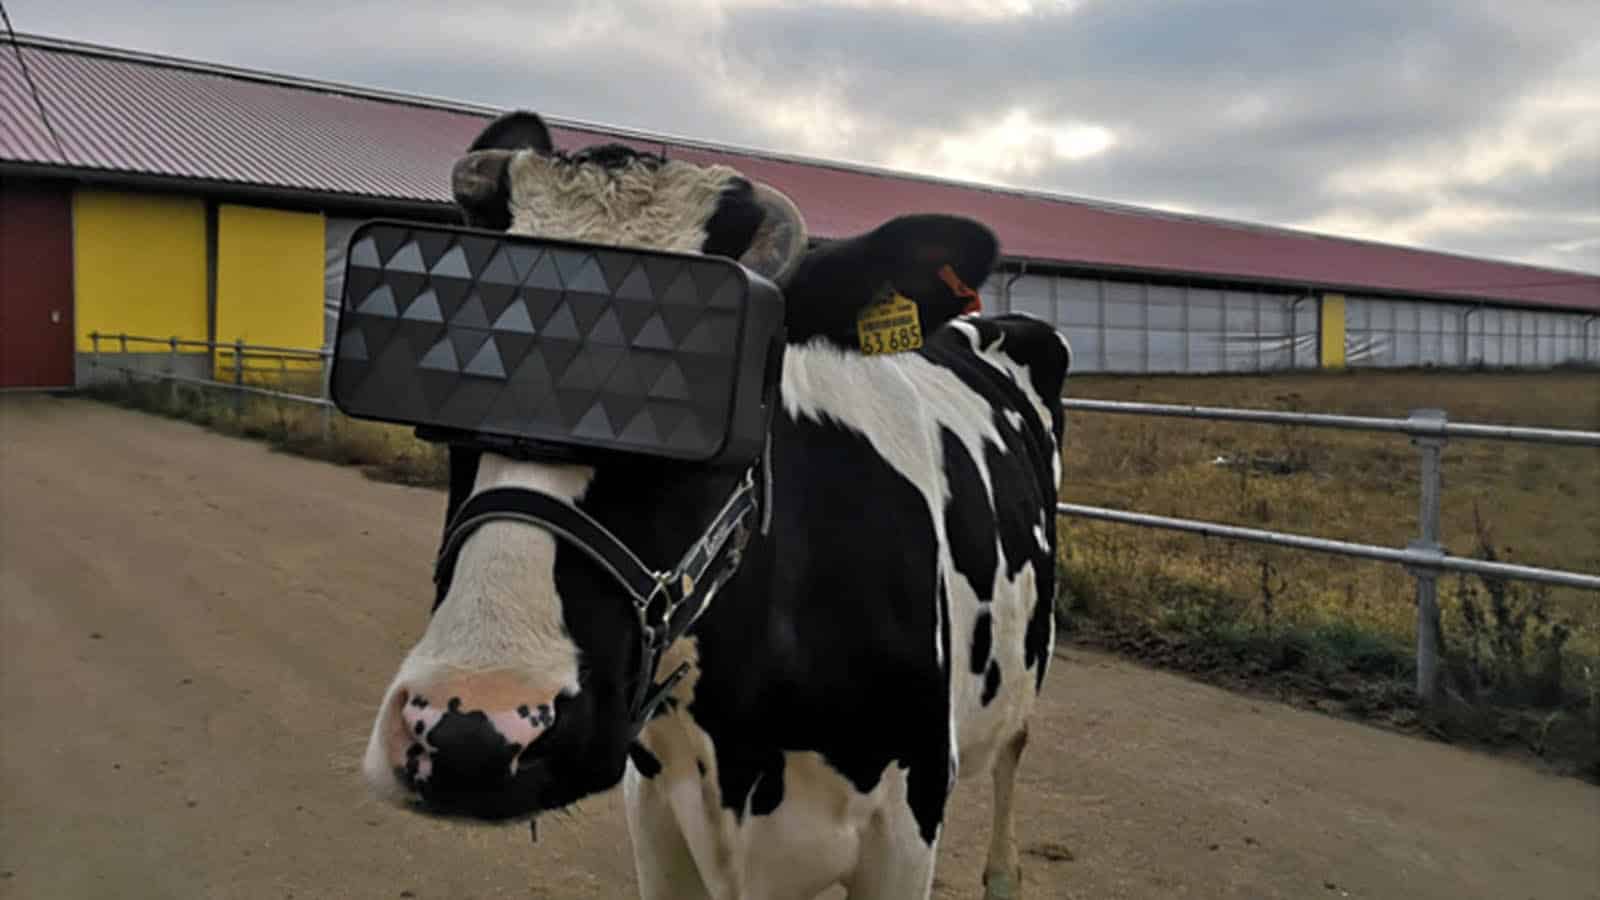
pixel 556 349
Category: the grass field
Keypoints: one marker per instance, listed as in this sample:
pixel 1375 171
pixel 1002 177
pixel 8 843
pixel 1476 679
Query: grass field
pixel 1330 626
pixel 1325 630
pixel 1532 504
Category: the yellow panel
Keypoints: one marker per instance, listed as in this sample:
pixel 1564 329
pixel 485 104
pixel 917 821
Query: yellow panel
pixel 1333 331
pixel 270 267
pixel 139 264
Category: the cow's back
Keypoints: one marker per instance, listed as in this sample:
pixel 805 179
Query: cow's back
pixel 1002 471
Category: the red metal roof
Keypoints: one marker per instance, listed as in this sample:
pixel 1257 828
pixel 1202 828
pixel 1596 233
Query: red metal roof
pixel 119 112
pixel 135 117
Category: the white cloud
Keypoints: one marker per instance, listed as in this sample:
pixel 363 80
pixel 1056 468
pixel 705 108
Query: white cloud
pixel 956 10
pixel 1246 110
pixel 1544 132
pixel 1414 228
pixel 1010 150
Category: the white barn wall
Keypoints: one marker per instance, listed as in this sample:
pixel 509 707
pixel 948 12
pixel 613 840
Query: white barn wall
pixel 1129 325
pixel 1135 326
pixel 1384 333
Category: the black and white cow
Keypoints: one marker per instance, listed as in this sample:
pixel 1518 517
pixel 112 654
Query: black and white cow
pixel 889 631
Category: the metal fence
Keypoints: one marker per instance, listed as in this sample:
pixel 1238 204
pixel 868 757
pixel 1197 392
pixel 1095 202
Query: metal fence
pixel 1424 557
pixel 1429 430
pixel 127 347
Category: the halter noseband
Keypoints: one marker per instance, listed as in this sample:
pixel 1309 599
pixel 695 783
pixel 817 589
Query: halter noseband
pixel 666 603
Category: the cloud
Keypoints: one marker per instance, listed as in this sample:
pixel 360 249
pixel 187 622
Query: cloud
pixel 1466 125
pixel 1010 151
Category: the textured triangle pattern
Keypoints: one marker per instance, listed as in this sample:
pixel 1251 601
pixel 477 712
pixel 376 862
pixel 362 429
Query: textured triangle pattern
pixel 557 342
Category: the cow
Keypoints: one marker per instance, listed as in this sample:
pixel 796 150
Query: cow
pixel 889 624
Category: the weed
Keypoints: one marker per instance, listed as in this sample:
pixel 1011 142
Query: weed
pixel 1269 591
pixel 1512 646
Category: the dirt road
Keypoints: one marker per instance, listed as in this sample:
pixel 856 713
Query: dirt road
pixel 193 631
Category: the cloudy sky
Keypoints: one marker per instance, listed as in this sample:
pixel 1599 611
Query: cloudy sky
pixel 1463 125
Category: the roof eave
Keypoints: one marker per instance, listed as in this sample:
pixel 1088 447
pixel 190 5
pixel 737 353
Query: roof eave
pixel 226 190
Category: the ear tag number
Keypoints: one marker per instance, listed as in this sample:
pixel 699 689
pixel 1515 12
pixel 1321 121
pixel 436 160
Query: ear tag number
pixel 892 326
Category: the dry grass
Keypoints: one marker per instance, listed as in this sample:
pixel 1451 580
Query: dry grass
pixel 1538 505
pixel 386 452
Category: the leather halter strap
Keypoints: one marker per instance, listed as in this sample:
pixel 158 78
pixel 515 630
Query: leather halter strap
pixel 666 603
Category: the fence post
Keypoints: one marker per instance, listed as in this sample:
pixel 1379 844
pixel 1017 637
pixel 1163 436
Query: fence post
pixel 238 377
pixel 1430 640
pixel 327 393
pixel 172 370
pixel 94 357
pixel 127 369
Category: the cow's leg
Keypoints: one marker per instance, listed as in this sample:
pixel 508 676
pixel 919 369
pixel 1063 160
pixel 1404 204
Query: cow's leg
pixel 893 866
pixel 661 857
pixel 898 851
pixel 1002 876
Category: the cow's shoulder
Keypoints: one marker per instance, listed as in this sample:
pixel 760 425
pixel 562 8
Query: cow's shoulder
pixel 1005 354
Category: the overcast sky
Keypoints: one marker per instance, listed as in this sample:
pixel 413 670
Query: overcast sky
pixel 1464 125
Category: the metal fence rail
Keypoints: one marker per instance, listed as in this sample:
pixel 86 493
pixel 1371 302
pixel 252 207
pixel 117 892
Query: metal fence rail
pixel 123 339
pixel 1419 425
pixel 1425 557
pixel 1403 556
pixel 238 350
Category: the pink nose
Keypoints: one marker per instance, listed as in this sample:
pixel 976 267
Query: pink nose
pixel 475 727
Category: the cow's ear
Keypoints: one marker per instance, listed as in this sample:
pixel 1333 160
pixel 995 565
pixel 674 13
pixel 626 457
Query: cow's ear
pixel 780 239
pixel 759 226
pixel 517 130
pixel 937 261
pixel 478 180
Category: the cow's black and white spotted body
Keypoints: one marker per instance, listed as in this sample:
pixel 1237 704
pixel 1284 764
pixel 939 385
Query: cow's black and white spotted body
pixel 888 633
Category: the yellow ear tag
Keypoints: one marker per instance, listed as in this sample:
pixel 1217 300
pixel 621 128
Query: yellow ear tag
pixel 892 326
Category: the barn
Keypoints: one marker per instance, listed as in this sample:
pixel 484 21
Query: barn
pixel 167 197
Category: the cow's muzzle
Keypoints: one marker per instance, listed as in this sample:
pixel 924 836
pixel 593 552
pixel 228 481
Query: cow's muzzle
pixel 469 746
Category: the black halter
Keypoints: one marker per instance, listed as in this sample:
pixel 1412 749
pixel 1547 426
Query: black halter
pixel 667 603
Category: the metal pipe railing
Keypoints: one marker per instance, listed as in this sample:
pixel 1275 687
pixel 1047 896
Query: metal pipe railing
pixel 1409 556
pixel 1424 558
pixel 238 349
pixel 1414 426
pixel 245 388
pixel 229 346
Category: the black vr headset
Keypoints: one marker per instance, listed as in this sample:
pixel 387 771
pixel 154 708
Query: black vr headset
pixel 545 348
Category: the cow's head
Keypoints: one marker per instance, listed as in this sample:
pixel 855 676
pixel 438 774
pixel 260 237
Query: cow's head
pixel 517 697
